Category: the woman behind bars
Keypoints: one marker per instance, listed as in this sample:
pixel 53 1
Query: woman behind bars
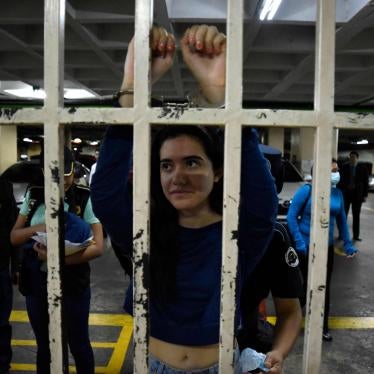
pixel 186 210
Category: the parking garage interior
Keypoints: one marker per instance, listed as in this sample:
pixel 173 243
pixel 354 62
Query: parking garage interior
pixel 278 73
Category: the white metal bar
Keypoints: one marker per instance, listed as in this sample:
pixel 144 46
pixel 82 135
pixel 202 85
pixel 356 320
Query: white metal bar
pixel 143 22
pixel 53 72
pixel 354 121
pixel 233 101
pixel 324 107
pixel 229 245
pixel 254 117
pixel 172 114
pixel 234 48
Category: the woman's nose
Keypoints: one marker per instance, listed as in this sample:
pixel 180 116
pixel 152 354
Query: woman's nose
pixel 179 176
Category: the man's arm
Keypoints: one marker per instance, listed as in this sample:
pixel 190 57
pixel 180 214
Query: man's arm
pixel 287 328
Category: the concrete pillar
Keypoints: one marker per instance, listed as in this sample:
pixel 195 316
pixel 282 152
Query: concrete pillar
pixel 68 137
pixel 295 155
pixel 8 146
pixel 306 149
pixel 276 138
pixel 335 141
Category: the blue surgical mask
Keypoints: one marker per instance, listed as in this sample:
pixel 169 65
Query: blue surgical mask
pixel 335 178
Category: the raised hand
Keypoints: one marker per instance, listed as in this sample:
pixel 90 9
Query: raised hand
pixel 204 52
pixel 162 46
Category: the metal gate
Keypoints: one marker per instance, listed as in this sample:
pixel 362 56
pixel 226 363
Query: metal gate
pixel 323 119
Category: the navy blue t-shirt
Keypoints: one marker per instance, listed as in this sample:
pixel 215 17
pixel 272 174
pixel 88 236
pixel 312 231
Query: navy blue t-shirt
pixel 193 317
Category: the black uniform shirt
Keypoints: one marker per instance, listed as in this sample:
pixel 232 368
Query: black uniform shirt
pixel 277 272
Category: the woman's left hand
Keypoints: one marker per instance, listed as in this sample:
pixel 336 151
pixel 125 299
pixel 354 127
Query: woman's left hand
pixel 204 52
pixel 41 250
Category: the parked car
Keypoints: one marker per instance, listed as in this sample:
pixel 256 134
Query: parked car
pixel 22 173
pixel 293 179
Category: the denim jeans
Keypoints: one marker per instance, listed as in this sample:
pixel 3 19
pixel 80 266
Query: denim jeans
pixel 159 367
pixel 6 298
pixel 76 312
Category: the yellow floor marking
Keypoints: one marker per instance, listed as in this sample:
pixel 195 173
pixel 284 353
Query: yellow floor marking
pixel 339 251
pixel 119 353
pixel 119 347
pixel 32 343
pixel 341 323
pixel 32 367
pixel 367 208
pixel 95 318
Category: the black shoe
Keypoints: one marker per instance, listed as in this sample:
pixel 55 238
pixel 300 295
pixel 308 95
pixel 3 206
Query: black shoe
pixel 326 336
pixel 357 239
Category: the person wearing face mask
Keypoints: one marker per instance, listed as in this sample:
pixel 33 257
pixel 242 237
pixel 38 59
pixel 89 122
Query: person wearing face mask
pixel 298 219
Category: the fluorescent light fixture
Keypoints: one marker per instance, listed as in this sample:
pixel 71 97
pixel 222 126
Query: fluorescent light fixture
pixel 27 92
pixel 24 157
pixel 363 141
pixel 27 140
pixel 77 93
pixel 77 140
pixel 269 8
pixel 94 142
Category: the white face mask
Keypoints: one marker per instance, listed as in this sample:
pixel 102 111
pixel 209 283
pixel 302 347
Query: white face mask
pixel 335 178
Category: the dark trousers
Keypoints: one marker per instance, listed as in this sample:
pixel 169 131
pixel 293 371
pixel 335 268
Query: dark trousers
pixel 356 211
pixel 6 298
pixel 76 312
pixel 304 270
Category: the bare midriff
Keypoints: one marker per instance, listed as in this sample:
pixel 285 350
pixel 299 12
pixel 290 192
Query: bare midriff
pixel 184 357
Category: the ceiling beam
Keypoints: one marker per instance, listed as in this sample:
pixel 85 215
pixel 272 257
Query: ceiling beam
pixel 364 18
pixel 92 41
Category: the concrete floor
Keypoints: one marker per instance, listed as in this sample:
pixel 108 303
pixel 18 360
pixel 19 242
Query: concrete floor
pixel 352 295
pixel 351 351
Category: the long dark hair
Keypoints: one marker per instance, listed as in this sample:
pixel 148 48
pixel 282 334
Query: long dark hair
pixel 164 217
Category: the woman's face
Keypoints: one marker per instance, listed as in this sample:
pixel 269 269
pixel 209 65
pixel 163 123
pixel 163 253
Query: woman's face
pixel 334 167
pixel 186 174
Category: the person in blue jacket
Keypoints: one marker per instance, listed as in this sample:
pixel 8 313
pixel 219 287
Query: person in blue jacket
pixel 186 209
pixel 300 229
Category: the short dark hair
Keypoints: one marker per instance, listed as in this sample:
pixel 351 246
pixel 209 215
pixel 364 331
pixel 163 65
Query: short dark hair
pixel 164 217
pixel 354 153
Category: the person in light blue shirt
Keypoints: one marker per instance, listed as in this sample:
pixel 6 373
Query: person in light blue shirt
pixel 80 223
pixel 298 218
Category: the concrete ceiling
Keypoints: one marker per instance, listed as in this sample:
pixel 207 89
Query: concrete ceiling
pixel 278 54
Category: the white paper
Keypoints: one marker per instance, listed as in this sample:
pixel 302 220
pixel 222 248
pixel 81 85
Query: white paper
pixel 70 248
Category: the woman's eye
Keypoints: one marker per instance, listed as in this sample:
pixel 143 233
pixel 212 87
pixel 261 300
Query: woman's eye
pixel 165 166
pixel 192 163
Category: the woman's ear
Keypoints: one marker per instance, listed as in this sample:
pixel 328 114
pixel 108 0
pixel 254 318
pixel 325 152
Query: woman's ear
pixel 218 175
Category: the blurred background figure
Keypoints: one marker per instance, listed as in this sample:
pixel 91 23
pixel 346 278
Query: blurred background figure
pixel 354 183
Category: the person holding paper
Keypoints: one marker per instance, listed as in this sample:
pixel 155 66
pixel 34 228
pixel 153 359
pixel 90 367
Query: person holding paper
pixel 80 221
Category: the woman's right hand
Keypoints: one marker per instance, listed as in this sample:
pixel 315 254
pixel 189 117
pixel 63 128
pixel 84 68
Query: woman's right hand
pixel 162 46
